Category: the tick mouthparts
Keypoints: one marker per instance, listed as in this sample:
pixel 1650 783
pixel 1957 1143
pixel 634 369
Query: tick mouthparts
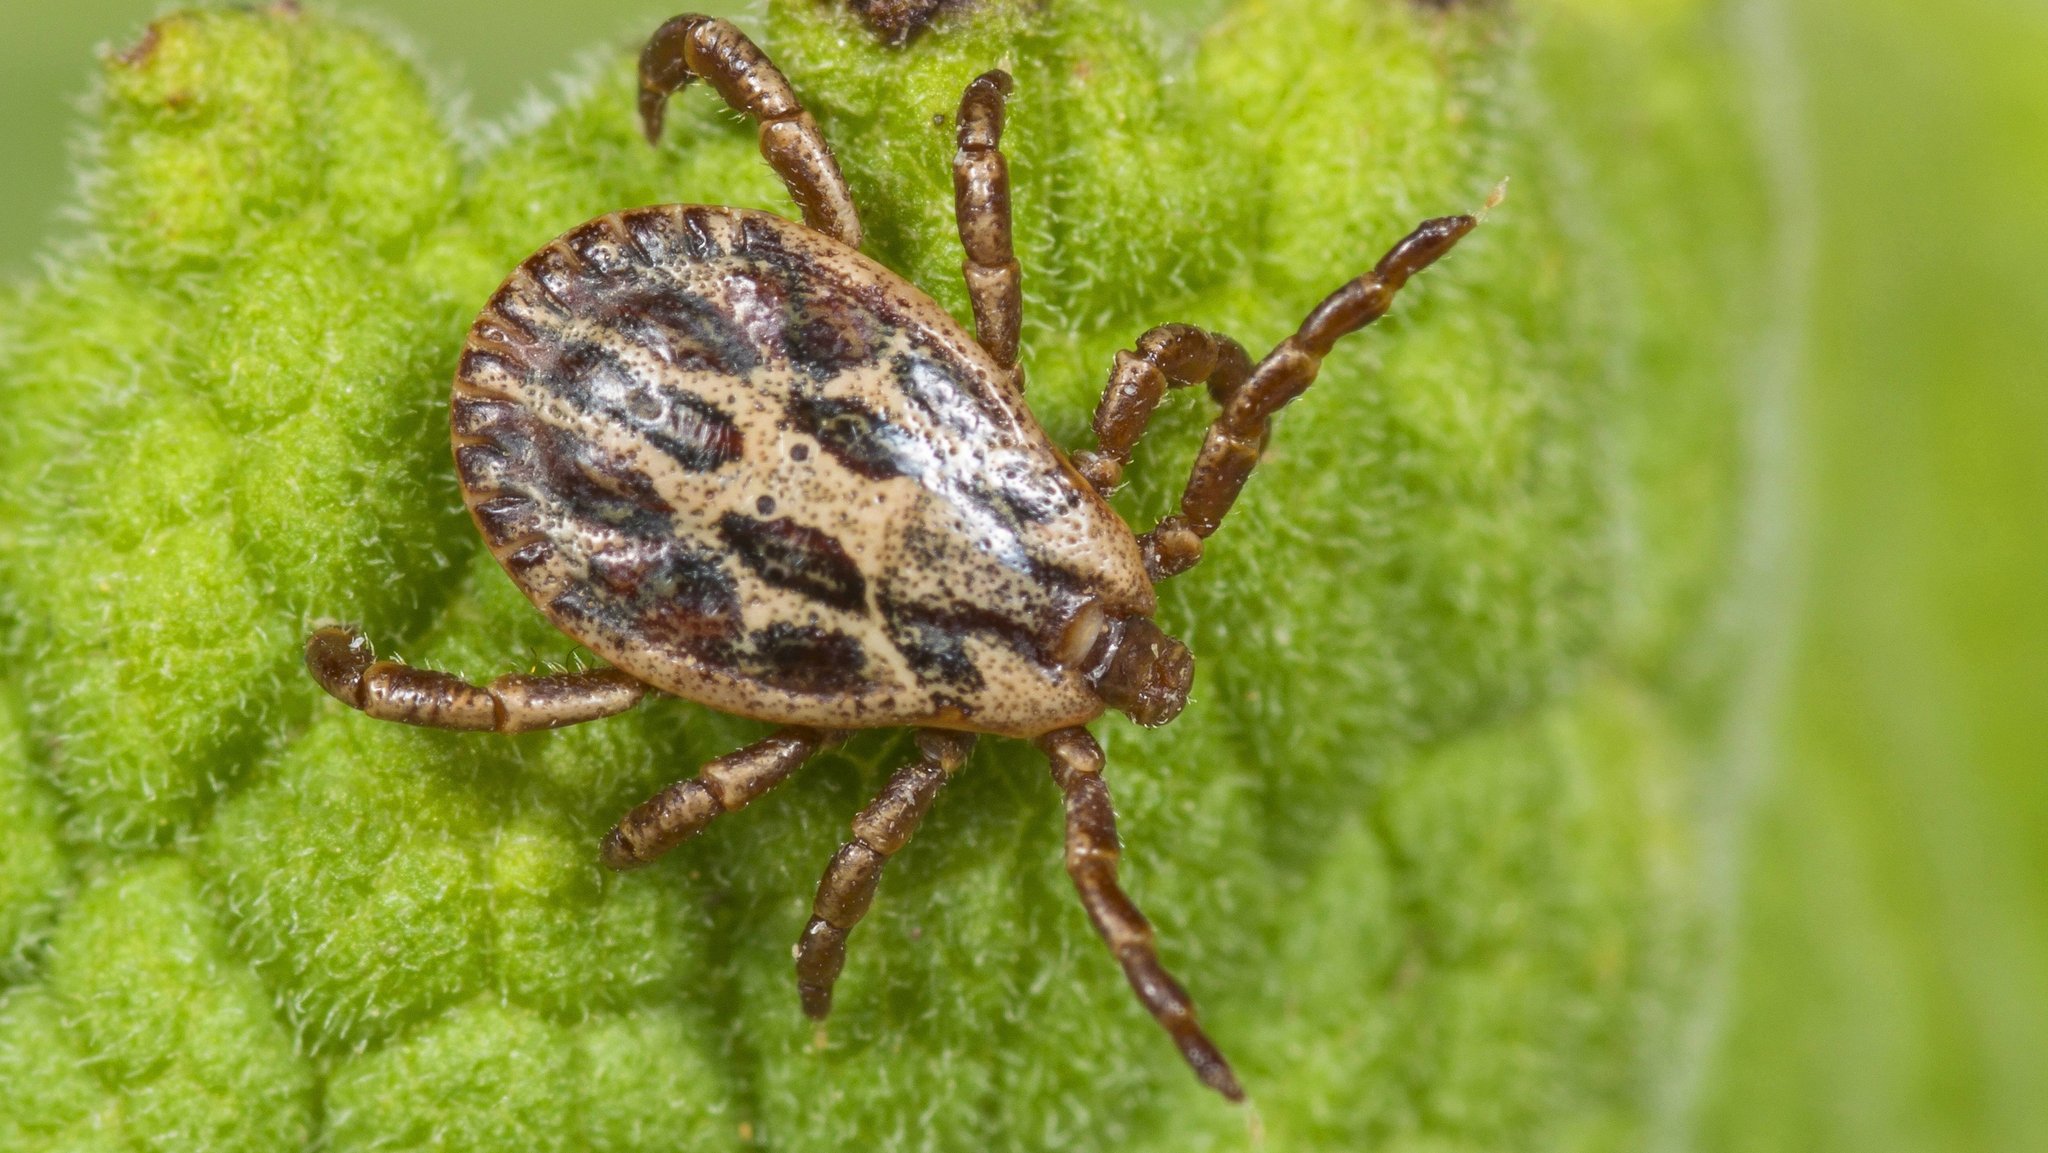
pixel 1141 672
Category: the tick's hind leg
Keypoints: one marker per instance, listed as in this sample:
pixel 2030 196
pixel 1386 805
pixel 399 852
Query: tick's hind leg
pixel 981 208
pixel 342 661
pixel 725 785
pixel 691 46
pixel 849 883
pixel 1092 853
pixel 1238 436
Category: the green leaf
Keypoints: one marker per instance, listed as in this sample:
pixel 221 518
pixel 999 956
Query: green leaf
pixel 1428 847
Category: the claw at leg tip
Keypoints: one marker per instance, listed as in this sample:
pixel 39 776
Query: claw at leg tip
pixel 817 1002
pixel 616 855
pixel 651 117
pixel 338 656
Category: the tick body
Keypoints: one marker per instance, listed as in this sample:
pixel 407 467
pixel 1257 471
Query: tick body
pixel 754 468
pixel 751 467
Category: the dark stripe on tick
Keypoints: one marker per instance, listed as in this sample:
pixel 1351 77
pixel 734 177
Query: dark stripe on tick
pixel 653 233
pixel 826 337
pixel 679 424
pixel 524 560
pixel 603 245
pixel 1035 497
pixel 761 240
pixel 861 440
pixel 804 659
pixel 824 329
pixel 506 520
pixel 497 326
pixel 796 557
pixel 657 593
pixel 932 638
pixel 558 276
pixel 482 418
pixel 935 653
pixel 477 361
pixel 1068 587
pixel 576 478
pixel 698 239
pixel 530 465
pixel 482 467
pixel 682 329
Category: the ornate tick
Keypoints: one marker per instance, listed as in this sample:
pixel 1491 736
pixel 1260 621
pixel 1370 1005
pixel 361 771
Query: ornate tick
pixel 753 468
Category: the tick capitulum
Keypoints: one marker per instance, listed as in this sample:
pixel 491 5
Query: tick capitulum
pixel 753 468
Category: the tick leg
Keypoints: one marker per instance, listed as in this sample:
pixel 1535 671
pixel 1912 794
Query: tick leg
pixel 342 661
pixel 725 785
pixel 981 207
pixel 1169 356
pixel 691 46
pixel 849 883
pixel 1239 433
pixel 1092 853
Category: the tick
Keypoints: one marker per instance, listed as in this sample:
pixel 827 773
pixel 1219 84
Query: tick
pixel 750 467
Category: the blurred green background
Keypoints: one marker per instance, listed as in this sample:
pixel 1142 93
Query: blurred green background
pixel 1891 984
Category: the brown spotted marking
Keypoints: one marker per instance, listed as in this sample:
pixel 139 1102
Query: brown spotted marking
pixel 756 469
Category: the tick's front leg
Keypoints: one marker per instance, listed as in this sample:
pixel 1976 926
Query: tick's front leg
pixel 1238 437
pixel 342 661
pixel 981 207
pixel 1169 356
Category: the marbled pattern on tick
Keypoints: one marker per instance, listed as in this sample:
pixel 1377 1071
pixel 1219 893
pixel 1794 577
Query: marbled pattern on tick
pixel 755 469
